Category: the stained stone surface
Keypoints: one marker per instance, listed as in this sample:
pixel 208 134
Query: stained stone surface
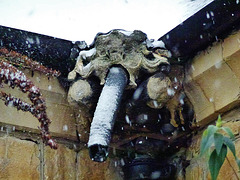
pixel 18 159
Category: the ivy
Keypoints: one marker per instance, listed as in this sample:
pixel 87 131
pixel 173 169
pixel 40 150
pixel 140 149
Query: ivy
pixel 217 144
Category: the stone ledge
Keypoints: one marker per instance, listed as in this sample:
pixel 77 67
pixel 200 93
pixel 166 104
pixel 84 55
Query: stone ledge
pixel 63 122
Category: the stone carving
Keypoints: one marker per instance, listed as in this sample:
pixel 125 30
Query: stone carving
pixel 136 54
pixel 118 48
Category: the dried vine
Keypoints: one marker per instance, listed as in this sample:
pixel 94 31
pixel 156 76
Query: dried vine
pixel 14 78
pixel 22 60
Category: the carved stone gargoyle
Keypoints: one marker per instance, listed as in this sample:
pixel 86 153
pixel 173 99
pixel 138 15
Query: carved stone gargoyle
pixel 127 49
pixel 135 54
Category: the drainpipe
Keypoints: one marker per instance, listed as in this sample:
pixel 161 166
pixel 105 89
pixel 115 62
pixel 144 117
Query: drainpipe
pixel 105 114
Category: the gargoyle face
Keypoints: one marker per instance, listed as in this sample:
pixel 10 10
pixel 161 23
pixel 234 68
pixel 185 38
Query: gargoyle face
pixel 118 47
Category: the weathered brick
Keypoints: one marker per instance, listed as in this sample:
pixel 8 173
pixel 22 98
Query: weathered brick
pixel 89 170
pixel 215 83
pixel 203 108
pixel 233 62
pixel 18 159
pixel 60 164
pixel 231 45
pixel 211 57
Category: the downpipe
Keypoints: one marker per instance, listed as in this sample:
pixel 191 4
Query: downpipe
pixel 105 114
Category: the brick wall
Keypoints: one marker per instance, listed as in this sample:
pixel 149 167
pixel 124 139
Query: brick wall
pixel 23 156
pixel 213 85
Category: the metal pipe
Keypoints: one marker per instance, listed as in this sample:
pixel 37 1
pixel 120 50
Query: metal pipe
pixel 105 114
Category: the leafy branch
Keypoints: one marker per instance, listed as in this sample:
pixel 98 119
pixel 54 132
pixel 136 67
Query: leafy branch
pixel 11 76
pixel 217 144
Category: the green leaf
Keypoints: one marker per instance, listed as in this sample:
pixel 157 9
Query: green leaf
pixel 216 161
pixel 218 140
pixel 219 121
pixel 229 132
pixel 207 139
pixel 229 143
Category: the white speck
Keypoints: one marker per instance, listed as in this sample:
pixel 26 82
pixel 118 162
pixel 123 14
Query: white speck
pixel 137 93
pixel 155 44
pixel 159 44
pixel 201 36
pixel 101 159
pixel 155 175
pixel 169 138
pixel 193 68
pixel 114 70
pixel 218 65
pixel 145 117
pixel 115 163
pixel 211 99
pixel 232 14
pixel 237 1
pixel 167 36
pixel 37 40
pixel 34 89
pixel 183 128
pixel 13 128
pixel 122 162
pixel 10 103
pixel 128 120
pixel 140 142
pixel 49 87
pixel 212 14
pixel 65 128
pixel 30 40
pixel 88 53
pixel 126 33
pixel 207 15
pixel 170 92
pixel 175 79
pixel 159 116
pixel 79 135
pixel 122 128
pixel 1 128
pixel 155 103
pixel 181 101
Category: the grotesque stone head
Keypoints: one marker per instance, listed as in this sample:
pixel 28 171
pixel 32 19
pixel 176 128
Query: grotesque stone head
pixel 131 50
